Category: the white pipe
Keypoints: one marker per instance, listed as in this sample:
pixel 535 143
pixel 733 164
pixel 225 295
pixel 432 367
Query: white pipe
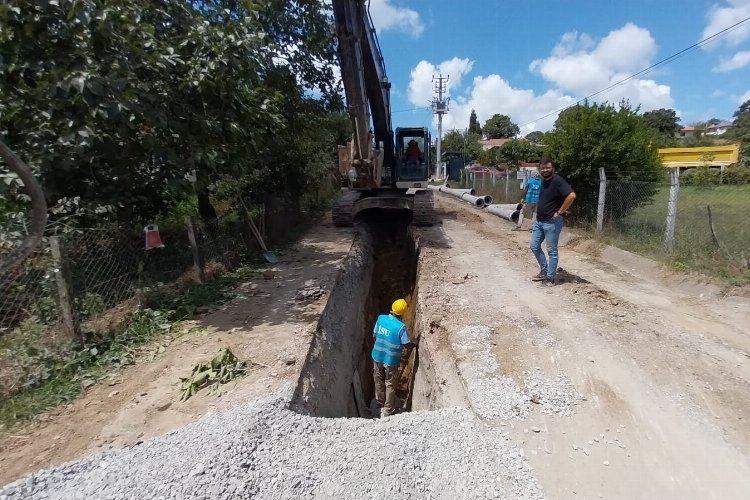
pixel 464 190
pixel 477 201
pixel 508 212
pixel 456 192
pixel 487 199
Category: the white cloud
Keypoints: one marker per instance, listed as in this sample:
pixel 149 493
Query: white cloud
pixel 487 95
pixel 420 83
pixel 577 66
pixel 724 15
pixel 744 97
pixel 493 94
pixel 737 61
pixel 387 16
pixel 582 67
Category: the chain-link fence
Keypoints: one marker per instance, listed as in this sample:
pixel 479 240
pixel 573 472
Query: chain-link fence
pixel 85 284
pixel 694 227
pixel 503 188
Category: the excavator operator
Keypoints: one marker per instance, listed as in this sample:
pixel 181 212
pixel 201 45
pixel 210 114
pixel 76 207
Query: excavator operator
pixel 413 156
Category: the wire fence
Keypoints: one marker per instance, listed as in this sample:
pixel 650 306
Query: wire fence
pixel 90 271
pixel 81 286
pixel 693 226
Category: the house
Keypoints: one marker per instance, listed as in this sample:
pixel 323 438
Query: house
pixel 488 144
pixel 687 132
pixel 720 128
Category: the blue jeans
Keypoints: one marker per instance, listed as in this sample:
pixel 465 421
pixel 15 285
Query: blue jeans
pixel 550 231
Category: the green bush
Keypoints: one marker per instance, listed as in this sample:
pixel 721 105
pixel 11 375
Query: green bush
pixel 704 176
pixel 736 175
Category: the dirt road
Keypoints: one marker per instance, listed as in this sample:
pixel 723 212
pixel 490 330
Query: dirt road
pixel 656 376
pixel 625 381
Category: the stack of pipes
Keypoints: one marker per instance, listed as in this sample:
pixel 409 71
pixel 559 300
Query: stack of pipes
pixel 509 211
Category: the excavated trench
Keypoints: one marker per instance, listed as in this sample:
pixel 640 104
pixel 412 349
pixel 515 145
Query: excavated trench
pixel 336 379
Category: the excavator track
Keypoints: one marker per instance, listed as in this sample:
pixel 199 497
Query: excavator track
pixel 342 212
pixel 424 209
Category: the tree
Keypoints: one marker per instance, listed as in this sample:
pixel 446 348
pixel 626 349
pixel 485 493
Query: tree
pixel 457 141
pixel 117 103
pixel 740 131
pixel 515 151
pixel 489 157
pixel 474 127
pixel 500 127
pixel 664 121
pixel 535 137
pixel 588 137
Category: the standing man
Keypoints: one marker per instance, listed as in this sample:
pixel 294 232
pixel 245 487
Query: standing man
pixel 530 199
pixel 555 198
pixel 390 337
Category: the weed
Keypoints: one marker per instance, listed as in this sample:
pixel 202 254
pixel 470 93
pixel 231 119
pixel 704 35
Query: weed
pixel 679 266
pixel 59 375
pixel 223 368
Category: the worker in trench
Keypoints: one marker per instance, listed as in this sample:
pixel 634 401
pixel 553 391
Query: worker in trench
pixel 391 336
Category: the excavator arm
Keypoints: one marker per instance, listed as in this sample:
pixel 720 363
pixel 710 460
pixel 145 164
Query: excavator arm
pixel 367 92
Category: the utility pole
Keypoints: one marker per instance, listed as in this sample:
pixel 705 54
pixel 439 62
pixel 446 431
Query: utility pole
pixel 439 108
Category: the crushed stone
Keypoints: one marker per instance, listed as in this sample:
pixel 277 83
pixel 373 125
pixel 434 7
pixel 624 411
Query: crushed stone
pixel 501 397
pixel 552 394
pixel 263 450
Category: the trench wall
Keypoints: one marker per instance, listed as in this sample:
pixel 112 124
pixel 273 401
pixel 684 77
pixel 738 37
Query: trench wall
pixel 324 388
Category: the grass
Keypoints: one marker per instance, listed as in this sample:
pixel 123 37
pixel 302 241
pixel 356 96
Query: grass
pixel 694 248
pixel 55 374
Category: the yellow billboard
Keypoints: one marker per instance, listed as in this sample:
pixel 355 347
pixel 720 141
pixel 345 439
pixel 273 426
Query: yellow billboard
pixel 713 156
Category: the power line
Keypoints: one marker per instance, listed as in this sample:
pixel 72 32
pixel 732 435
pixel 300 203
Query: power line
pixel 412 109
pixel 662 62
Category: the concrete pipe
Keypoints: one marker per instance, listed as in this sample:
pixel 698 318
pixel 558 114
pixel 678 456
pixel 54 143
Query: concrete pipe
pixel 508 212
pixel 487 199
pixel 463 190
pixel 434 188
pixel 456 192
pixel 477 201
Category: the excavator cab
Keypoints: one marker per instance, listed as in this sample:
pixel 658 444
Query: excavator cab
pixel 412 157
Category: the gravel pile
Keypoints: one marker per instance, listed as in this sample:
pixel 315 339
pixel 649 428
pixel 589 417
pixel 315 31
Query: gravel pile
pixel 553 394
pixel 263 450
pixel 501 397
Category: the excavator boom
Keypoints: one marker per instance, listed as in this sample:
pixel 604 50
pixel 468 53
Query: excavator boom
pixel 383 171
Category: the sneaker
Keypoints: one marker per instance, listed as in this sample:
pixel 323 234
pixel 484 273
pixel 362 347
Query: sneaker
pixel 547 283
pixel 541 276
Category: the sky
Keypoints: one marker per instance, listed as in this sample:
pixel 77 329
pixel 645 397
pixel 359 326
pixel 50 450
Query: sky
pixel 531 58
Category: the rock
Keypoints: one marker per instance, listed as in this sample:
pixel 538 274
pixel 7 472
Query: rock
pixel 268 274
pixel 290 361
pixel 113 393
pixel 164 407
pixel 200 310
pixel 606 462
pixel 536 429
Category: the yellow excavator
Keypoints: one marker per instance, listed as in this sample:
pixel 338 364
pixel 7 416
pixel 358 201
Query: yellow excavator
pixel 379 168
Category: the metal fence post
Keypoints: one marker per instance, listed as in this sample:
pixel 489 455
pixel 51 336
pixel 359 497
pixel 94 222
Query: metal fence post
pixel 602 198
pixel 507 182
pixel 473 180
pixel 194 247
pixel 64 292
pixel 674 193
pixel 483 176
